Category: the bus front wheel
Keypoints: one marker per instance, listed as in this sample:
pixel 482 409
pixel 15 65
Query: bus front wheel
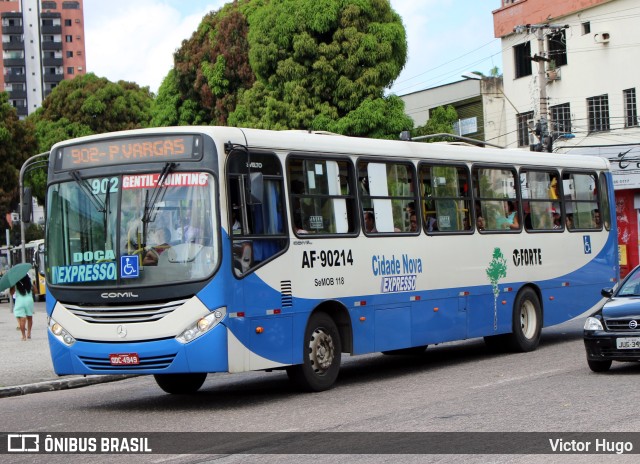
pixel 527 322
pixel 180 384
pixel 321 355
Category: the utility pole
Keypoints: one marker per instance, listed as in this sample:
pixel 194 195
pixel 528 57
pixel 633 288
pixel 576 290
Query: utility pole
pixel 542 128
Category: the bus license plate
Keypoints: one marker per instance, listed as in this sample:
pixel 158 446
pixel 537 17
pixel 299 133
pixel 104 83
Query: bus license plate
pixel 629 343
pixel 124 359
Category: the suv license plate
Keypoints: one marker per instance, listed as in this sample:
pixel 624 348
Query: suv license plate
pixel 628 343
pixel 127 359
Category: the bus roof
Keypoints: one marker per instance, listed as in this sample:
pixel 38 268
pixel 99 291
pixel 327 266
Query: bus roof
pixel 323 142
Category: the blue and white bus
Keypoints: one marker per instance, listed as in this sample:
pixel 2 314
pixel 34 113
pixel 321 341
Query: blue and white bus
pixel 184 251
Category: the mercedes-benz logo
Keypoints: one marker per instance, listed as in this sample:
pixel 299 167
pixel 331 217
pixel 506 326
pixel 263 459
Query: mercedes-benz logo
pixel 122 331
pixel 633 324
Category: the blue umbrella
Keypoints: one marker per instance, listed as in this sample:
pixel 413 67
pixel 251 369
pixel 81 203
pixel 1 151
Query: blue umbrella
pixel 13 275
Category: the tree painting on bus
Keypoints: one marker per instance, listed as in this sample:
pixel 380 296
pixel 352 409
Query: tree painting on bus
pixel 497 269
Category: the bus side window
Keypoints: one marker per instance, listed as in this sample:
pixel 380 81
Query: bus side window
pixel 581 199
pixel 321 196
pixel 255 210
pixel 388 193
pixel 541 200
pixel 497 196
pixel 445 198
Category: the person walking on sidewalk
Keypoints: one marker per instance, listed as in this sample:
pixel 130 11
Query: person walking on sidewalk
pixel 23 306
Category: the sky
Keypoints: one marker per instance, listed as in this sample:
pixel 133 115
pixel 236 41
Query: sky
pixel 134 40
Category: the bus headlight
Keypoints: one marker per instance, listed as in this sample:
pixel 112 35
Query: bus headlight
pixel 202 326
pixel 593 323
pixel 60 333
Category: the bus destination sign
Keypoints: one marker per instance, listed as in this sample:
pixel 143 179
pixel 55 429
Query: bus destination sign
pixel 140 149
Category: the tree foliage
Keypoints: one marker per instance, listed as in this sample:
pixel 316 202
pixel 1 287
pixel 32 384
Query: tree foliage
pixel 89 104
pixel 17 144
pixel 440 121
pixel 290 64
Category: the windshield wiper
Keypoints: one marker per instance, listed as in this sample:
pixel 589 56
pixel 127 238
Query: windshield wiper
pixel 157 195
pixel 86 188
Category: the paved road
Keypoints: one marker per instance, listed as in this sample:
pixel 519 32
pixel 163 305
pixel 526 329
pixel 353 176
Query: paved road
pixel 26 367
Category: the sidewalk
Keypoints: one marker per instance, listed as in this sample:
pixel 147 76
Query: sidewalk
pixel 26 367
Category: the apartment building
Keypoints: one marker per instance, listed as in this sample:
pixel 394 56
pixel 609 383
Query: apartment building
pixel 574 64
pixel 42 44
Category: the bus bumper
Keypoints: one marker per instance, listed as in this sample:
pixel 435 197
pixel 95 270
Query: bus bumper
pixel 207 353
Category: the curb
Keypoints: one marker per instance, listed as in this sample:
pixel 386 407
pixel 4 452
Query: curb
pixel 62 384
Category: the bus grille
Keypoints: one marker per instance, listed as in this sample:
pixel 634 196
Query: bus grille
pixel 124 314
pixel 620 325
pixel 104 364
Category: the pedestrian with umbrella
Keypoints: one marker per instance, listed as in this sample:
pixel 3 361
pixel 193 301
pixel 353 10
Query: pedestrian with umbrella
pixel 18 277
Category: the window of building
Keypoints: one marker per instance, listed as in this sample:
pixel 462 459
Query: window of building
pixel 598 112
pixel 495 191
pixel 522 59
pixel 630 108
pixel 70 70
pixel 67 22
pixel 586 28
pixel 446 198
pixel 560 119
pixel 68 38
pixel 49 6
pixel 523 128
pixel 557 46
pixel 70 5
pixel 387 193
pixel 69 54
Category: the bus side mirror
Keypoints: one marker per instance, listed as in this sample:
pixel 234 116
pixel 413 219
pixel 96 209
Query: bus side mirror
pixel 26 207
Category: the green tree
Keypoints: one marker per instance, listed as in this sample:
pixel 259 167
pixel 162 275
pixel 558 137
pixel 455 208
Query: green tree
pixel 291 64
pixel 497 270
pixel 17 144
pixel 89 104
pixel 440 121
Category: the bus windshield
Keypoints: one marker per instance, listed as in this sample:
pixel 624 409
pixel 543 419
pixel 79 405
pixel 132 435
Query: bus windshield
pixel 125 230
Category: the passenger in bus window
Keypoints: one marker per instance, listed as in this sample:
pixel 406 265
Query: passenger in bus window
pixel 557 220
pixel 510 220
pixel 553 189
pixel 569 221
pixel 370 222
pixel 466 223
pixel 236 226
pixel 480 223
pixel 432 224
pixel 413 221
pixel 596 218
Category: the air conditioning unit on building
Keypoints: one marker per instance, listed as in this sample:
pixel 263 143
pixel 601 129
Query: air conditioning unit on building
pixel 601 37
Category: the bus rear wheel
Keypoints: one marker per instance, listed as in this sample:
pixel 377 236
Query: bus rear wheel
pixel 527 322
pixel 180 384
pixel 321 355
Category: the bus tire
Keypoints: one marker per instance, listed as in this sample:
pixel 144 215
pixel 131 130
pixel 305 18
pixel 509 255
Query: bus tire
pixel 180 384
pixel 526 323
pixel 599 366
pixel 322 351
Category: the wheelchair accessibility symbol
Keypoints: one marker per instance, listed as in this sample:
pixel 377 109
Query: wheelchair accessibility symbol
pixel 587 244
pixel 129 266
